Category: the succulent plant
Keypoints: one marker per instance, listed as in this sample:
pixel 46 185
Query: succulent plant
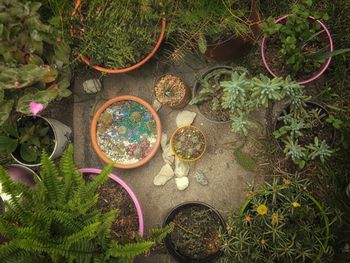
pixel 266 89
pixel 295 151
pixel 241 124
pixel 319 149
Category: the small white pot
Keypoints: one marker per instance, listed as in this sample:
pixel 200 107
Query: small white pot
pixel 62 135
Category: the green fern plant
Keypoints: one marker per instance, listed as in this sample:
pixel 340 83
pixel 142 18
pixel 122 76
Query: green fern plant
pixel 59 221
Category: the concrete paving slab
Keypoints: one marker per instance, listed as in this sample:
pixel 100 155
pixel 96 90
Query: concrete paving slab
pixel 226 178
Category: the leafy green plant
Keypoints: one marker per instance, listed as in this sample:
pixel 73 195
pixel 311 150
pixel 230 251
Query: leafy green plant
pixel 27 138
pixel 59 221
pixel 116 34
pixel 33 59
pixel 295 33
pixel 196 24
pixel 280 222
pixel 304 126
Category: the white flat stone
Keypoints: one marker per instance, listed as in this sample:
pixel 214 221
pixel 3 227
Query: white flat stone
pixel 168 155
pixel 164 175
pixel 185 118
pixel 182 183
pixel 163 140
pixel 181 168
pixel 156 105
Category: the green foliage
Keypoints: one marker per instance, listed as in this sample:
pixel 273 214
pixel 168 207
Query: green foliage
pixel 245 160
pixel 116 34
pixel 32 58
pixel 295 34
pixel 59 221
pixel 29 136
pixel 280 222
pixel 297 126
pixel 195 24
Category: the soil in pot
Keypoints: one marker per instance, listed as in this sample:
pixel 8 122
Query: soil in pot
pixel 320 128
pixel 35 135
pixel 188 143
pixel 211 108
pixel 279 66
pixel 172 91
pixel 196 232
pixel 126 132
pixel 113 196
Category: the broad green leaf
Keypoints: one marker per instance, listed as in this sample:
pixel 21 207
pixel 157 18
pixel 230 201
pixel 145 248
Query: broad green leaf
pixel 27 153
pixel 7 144
pixel 5 110
pixel 325 55
pixel 245 160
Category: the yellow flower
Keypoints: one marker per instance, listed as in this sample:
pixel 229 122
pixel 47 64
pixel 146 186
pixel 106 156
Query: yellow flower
pixel 263 241
pixel 296 204
pixel 274 218
pixel 262 210
pixel 286 181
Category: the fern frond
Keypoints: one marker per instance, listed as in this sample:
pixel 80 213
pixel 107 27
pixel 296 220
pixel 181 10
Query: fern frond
pixel 158 234
pixel 99 179
pixel 128 250
pixel 88 233
pixel 68 171
pixel 49 174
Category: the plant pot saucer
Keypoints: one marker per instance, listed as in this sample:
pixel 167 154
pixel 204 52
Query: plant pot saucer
pixel 126 131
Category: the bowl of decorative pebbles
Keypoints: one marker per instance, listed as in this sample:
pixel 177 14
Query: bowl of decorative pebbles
pixel 126 131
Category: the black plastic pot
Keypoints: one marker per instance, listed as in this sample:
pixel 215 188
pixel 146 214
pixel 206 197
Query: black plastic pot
pixel 197 87
pixel 313 104
pixel 170 245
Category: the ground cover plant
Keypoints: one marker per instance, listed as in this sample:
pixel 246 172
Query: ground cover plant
pixel 116 34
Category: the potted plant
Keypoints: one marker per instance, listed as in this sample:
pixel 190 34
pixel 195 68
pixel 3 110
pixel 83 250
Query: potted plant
pixel 33 60
pixel 116 194
pixel 27 136
pixel 60 221
pixel 196 234
pixel 231 45
pixel 104 33
pixel 188 143
pixel 172 91
pixel 126 131
pixel 216 28
pixel 207 94
pixel 298 44
pixel 305 134
pixel 279 222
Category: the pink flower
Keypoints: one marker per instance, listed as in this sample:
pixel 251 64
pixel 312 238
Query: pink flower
pixel 35 108
pixel 17 84
pixel 248 219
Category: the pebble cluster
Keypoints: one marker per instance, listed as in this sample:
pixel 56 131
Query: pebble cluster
pixel 126 132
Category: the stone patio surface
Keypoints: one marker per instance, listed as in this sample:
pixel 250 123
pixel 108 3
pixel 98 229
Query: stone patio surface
pixel 227 179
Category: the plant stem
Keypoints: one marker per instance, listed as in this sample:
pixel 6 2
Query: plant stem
pixel 189 231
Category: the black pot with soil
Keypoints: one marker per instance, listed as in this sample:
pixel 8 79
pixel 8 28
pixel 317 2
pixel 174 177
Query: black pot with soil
pixel 196 234
pixel 210 109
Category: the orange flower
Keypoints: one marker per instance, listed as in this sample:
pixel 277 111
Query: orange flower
pixel 248 219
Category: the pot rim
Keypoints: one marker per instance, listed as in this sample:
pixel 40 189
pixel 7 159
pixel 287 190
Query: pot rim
pixel 55 140
pixel 93 131
pixel 133 67
pixel 318 73
pixel 127 188
pixel 191 127
pixel 196 87
pixel 167 240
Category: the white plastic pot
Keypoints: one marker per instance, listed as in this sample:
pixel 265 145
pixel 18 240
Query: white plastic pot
pixel 62 134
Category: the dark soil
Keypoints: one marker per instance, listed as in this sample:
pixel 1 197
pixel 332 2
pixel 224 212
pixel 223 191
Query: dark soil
pixel 196 232
pixel 278 65
pixel 188 143
pixel 113 196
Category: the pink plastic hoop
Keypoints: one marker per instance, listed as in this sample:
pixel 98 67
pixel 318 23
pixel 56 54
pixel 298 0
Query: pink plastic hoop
pixel 127 189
